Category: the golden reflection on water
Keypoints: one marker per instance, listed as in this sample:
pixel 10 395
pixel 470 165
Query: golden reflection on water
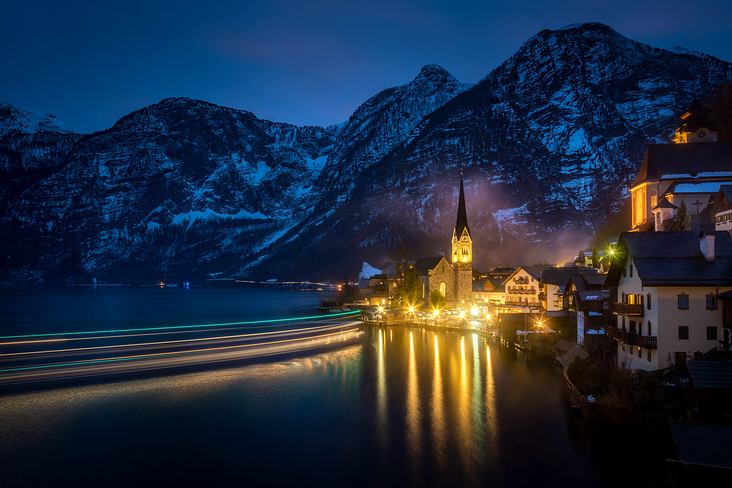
pixel 491 412
pixel 439 432
pixel 413 410
pixel 382 414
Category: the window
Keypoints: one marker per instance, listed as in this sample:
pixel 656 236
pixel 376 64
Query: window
pixel 625 272
pixel 631 299
pixel 639 352
pixel 640 300
pixel 712 333
pixel 648 355
pixel 683 332
pixel 624 300
pixel 648 301
pixel 711 302
pixel 630 267
pixel 632 326
pixel 623 321
pixel 683 301
pixel 442 289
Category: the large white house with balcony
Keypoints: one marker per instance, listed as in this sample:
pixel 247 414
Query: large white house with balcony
pixel 667 284
pixel 522 289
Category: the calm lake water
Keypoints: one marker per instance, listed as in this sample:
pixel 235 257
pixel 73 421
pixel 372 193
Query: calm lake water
pixel 408 407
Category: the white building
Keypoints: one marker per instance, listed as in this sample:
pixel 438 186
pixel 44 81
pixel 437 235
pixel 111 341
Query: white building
pixel 668 284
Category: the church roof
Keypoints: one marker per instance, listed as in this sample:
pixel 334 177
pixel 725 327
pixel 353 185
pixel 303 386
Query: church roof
pixel 462 216
pixel 664 203
pixel 697 116
pixel 686 161
pixel 424 265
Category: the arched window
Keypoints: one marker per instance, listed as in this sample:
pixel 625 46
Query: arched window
pixel 648 304
pixel 649 328
pixel 442 289
pixel 654 198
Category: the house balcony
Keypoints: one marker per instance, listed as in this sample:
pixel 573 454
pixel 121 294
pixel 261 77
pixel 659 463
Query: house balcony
pixel 542 296
pixel 628 309
pixel 631 338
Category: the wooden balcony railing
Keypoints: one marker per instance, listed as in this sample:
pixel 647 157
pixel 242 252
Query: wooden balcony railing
pixel 632 310
pixel 631 338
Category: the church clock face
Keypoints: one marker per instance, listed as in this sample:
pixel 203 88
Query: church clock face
pixel 701 133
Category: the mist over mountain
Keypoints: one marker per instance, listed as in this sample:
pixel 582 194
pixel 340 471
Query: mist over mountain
pixel 184 189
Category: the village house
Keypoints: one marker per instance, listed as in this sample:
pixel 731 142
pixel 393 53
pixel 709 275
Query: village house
pixel 489 288
pixel 587 301
pixel 522 289
pixel 668 285
pixel 721 209
pixel 552 282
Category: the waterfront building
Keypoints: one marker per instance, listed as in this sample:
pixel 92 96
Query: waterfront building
pixel 668 284
pixel 587 302
pixel 690 170
pixel 522 289
pixel 553 282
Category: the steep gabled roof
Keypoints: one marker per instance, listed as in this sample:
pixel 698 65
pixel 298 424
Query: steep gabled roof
pixel 686 161
pixel 664 203
pixel 702 444
pixel 673 258
pixel 560 276
pixel 711 374
pixel 423 265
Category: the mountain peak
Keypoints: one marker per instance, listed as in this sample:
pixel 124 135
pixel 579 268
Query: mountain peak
pixel 28 121
pixel 435 73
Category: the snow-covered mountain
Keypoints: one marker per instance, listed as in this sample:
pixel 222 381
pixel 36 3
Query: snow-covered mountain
pixel 547 142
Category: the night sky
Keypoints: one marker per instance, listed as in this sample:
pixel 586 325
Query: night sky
pixel 304 62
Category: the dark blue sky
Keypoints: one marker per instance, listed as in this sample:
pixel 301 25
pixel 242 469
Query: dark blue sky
pixel 304 62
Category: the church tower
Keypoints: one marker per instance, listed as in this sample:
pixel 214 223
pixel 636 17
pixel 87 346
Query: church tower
pixel 462 253
pixel 697 125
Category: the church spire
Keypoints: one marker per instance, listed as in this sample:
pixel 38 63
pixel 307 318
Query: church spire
pixel 462 216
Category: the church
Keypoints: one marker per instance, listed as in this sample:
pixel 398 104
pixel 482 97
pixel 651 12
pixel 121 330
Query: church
pixel 692 169
pixel 454 278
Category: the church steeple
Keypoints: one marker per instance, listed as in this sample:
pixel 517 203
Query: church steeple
pixel 462 242
pixel 697 125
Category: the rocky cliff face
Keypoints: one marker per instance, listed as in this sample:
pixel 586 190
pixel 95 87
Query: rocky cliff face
pixel 547 142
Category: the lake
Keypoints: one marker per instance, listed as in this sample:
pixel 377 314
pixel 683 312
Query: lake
pixel 408 407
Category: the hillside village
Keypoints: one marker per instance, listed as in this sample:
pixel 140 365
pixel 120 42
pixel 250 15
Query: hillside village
pixel 658 299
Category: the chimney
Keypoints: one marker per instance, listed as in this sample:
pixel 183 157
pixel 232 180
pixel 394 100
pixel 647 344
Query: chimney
pixel 706 244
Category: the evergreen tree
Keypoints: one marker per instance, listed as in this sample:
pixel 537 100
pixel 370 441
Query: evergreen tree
pixel 595 258
pixel 682 221
pixel 437 300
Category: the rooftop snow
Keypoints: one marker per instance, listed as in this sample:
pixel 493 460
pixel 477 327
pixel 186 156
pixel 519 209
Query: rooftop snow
pixel 712 187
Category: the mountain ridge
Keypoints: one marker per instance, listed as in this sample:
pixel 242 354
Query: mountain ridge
pixel 185 189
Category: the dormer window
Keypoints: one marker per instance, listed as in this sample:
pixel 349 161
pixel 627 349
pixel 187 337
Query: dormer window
pixel 465 238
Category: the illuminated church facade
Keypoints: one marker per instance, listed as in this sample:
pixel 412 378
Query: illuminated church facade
pixel 452 278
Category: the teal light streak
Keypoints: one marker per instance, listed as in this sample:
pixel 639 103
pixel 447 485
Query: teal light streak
pixel 179 326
